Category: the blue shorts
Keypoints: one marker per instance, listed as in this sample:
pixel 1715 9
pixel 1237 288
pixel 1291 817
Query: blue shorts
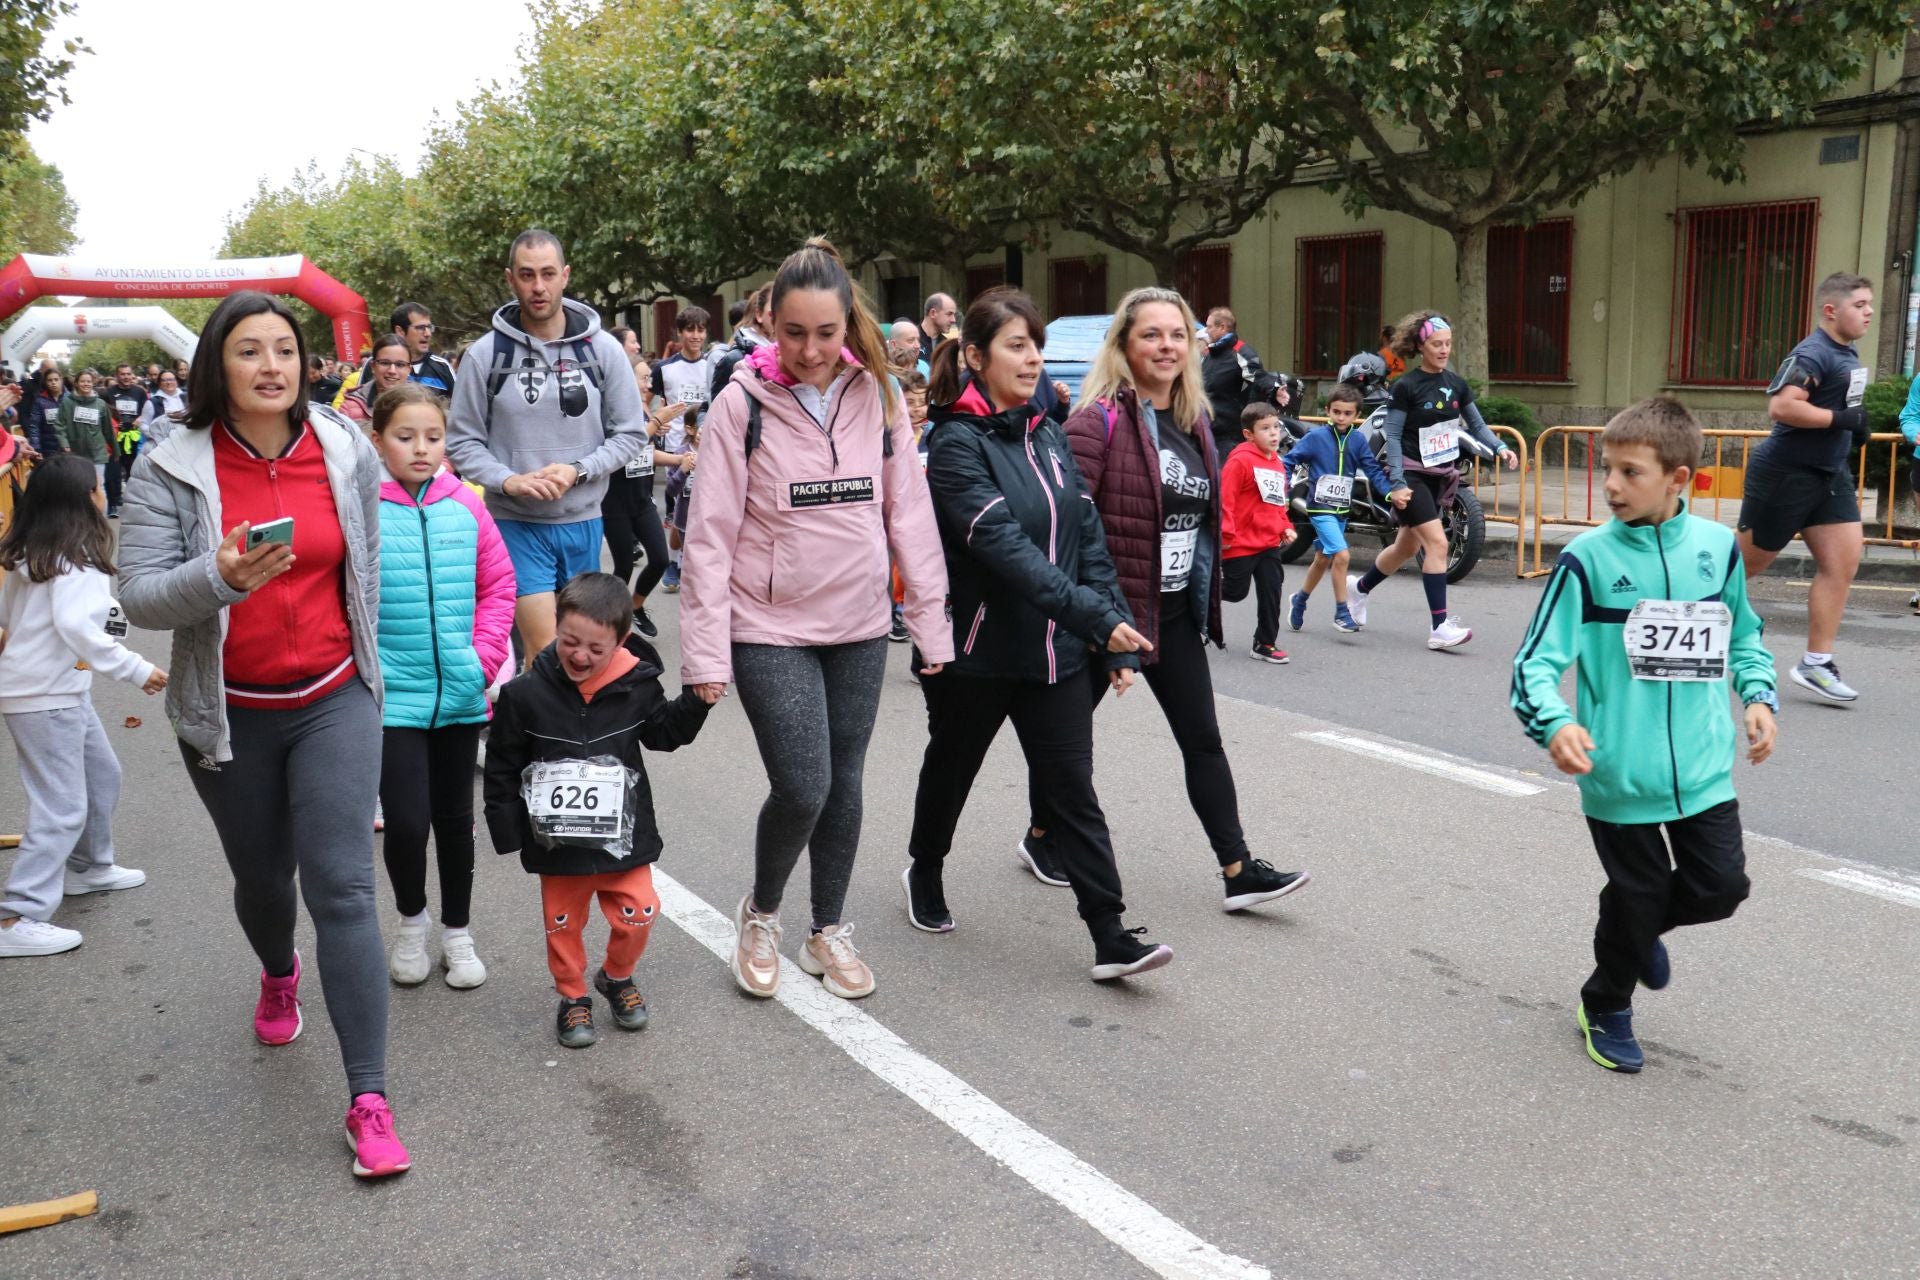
pixel 1329 534
pixel 547 556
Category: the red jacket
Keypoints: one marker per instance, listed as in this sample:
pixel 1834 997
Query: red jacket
pixel 1122 471
pixel 1253 509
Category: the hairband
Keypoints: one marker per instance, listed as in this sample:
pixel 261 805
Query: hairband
pixel 1434 324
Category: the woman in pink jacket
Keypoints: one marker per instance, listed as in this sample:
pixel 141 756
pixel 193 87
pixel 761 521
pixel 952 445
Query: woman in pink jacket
pixel 808 478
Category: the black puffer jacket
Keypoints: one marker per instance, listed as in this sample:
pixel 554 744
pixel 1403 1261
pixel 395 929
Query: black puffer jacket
pixel 1226 370
pixel 1031 585
pixel 541 716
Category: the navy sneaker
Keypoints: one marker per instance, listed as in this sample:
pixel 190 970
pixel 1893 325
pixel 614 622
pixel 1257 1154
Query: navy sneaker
pixel 670 580
pixel 1343 619
pixel 1297 610
pixel 1657 971
pixel 1610 1040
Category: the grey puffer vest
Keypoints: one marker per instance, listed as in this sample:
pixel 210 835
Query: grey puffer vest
pixel 170 529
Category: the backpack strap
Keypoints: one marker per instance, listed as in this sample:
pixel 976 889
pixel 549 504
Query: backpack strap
pixel 498 371
pixel 1106 408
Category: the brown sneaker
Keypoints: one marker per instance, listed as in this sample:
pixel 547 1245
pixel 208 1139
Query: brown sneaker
pixel 830 957
pixel 756 950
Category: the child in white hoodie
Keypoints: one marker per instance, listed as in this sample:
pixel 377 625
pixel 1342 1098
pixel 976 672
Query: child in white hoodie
pixel 58 611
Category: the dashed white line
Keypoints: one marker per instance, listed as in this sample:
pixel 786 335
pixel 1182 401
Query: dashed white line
pixel 1907 895
pixel 1438 766
pixel 1163 1245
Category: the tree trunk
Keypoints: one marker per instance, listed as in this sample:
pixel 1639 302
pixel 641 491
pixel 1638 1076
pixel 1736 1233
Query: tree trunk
pixel 1166 267
pixel 1470 315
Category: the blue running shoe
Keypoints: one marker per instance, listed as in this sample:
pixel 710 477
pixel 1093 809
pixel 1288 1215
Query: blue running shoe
pixel 1343 619
pixel 1297 610
pixel 670 581
pixel 1657 970
pixel 1610 1040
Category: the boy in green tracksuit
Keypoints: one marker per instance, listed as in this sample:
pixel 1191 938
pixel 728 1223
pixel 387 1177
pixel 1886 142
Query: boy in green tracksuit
pixel 1652 608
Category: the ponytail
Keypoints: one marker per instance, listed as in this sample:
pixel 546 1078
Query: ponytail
pixel 943 380
pixel 818 265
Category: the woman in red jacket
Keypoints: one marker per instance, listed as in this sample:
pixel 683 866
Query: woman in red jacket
pixel 1142 440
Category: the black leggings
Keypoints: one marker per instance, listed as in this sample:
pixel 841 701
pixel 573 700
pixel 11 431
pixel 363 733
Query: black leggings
pixel 426 784
pixel 633 524
pixel 1182 684
pixel 1055 726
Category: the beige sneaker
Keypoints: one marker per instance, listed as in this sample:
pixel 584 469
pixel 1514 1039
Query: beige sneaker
pixel 756 950
pixel 829 956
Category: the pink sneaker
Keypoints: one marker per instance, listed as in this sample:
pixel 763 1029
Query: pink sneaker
pixel 376 1152
pixel 276 1019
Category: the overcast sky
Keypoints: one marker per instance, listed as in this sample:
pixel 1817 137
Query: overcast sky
pixel 184 106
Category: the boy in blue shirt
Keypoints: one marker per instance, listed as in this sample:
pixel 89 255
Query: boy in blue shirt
pixel 1330 457
pixel 1652 607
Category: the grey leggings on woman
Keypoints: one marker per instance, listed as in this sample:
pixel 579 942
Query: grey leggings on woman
pixel 298 796
pixel 812 711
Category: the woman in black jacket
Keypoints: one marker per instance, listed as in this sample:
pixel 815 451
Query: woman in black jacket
pixel 1032 587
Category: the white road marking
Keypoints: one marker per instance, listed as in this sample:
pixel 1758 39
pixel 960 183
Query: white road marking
pixel 1907 895
pixel 1163 1245
pixel 1438 766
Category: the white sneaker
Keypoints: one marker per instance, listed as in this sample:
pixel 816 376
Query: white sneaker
pixel 33 938
pixel 1356 600
pixel 408 963
pixel 464 970
pixel 1449 635
pixel 379 816
pixel 103 880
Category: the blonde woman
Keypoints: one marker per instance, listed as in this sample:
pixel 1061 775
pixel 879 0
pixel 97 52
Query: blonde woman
pixel 1142 439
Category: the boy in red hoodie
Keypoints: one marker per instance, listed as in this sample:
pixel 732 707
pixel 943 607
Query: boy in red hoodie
pixel 1254 524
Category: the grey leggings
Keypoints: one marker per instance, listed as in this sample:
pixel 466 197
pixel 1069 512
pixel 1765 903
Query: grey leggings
pixel 298 796
pixel 812 711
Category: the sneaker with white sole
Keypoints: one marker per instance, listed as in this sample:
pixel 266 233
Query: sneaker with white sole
pixel 1259 882
pixel 756 949
pixel 829 955
pixel 464 970
pixel 1121 953
pixel 1824 680
pixel 408 963
pixel 103 879
pixel 26 937
pixel 1450 634
pixel 1356 600
pixel 379 816
pixel 1037 855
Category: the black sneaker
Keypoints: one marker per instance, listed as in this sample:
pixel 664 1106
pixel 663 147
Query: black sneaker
pixel 629 1006
pixel 1258 882
pixel 574 1023
pixel 1037 853
pixel 1120 953
pixel 898 633
pixel 1657 970
pixel 642 623
pixel 926 904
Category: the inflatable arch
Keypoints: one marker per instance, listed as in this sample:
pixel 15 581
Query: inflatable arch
pixel 33 275
pixel 36 325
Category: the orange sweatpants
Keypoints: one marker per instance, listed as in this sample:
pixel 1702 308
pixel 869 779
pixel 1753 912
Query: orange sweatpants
pixel 628 902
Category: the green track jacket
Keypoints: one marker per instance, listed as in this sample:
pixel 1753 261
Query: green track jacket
pixel 1663 750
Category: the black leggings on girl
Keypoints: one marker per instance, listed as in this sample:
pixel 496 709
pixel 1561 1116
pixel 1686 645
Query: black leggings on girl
pixel 426 786
pixel 632 524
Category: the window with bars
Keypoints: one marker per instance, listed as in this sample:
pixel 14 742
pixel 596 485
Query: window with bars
pixel 1743 293
pixel 1206 278
pixel 1339 288
pixel 1076 287
pixel 1529 294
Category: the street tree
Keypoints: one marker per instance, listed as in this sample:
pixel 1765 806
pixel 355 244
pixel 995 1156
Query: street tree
pixel 36 213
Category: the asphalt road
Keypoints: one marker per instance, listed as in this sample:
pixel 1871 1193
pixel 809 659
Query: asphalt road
pixel 1378 1077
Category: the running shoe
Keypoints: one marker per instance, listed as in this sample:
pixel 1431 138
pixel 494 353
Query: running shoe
pixel 642 623
pixel 756 949
pixel 670 582
pixel 1120 953
pixel 276 1015
pixel 103 879
pixel 898 632
pixel 1657 971
pixel 1037 853
pixel 573 1024
pixel 1824 680
pixel 408 963
pixel 1610 1040
pixel 629 1006
pixel 1267 653
pixel 377 1153
pixel 36 938
pixel 1258 882
pixel 926 903
pixel 1297 610
pixel 1343 619
pixel 1356 600
pixel 379 816
pixel 1450 634
pixel 829 955
pixel 464 970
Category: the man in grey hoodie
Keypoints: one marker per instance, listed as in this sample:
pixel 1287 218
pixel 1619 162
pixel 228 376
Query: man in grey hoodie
pixel 544 409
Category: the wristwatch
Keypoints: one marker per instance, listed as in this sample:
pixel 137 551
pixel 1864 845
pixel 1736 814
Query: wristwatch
pixel 580 472
pixel 1766 698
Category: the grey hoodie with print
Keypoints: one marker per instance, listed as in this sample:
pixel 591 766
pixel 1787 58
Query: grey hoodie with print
pixel 521 403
